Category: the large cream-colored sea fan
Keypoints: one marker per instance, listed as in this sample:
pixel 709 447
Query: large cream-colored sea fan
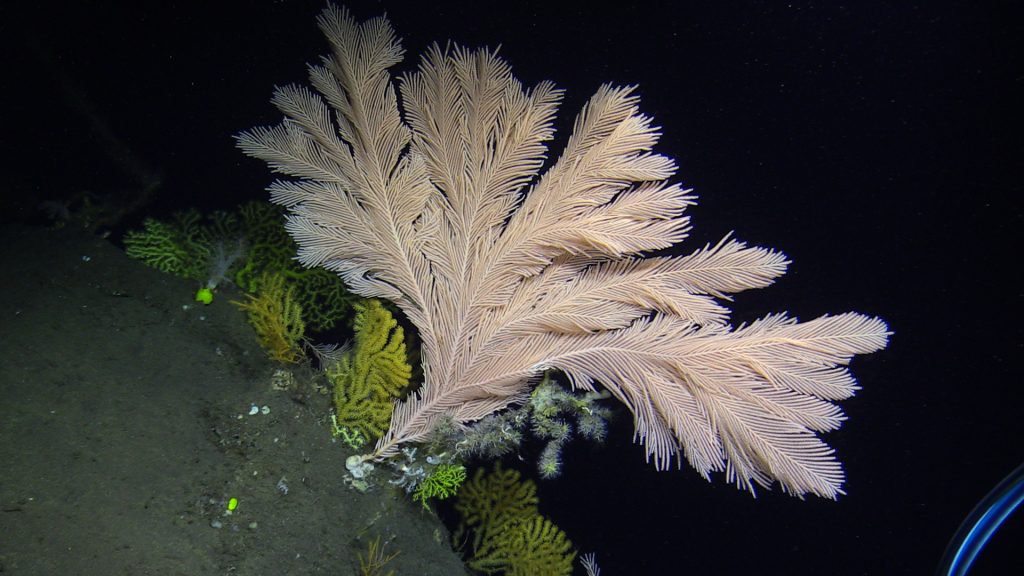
pixel 507 270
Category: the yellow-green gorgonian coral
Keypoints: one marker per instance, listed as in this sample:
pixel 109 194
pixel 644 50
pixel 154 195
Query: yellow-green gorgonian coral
pixel 504 530
pixel 370 376
pixel 442 483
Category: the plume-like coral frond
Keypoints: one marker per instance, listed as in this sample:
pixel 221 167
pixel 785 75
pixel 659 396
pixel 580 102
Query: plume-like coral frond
pixel 507 270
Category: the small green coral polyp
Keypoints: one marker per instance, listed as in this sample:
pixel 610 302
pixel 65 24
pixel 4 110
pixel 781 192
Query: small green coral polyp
pixel 204 295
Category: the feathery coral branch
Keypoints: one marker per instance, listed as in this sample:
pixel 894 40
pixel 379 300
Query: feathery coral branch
pixel 506 271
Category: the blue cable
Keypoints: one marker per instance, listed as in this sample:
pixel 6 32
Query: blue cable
pixel 982 523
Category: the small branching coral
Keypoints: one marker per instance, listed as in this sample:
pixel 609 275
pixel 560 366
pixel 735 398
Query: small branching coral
pixel 207 249
pixel 239 246
pixel 507 534
pixel 181 246
pixel 443 483
pixel 277 319
pixel 552 414
pixel 370 376
pixel 375 561
pixel 550 408
pixel 528 547
pixel 321 295
pixel 270 247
